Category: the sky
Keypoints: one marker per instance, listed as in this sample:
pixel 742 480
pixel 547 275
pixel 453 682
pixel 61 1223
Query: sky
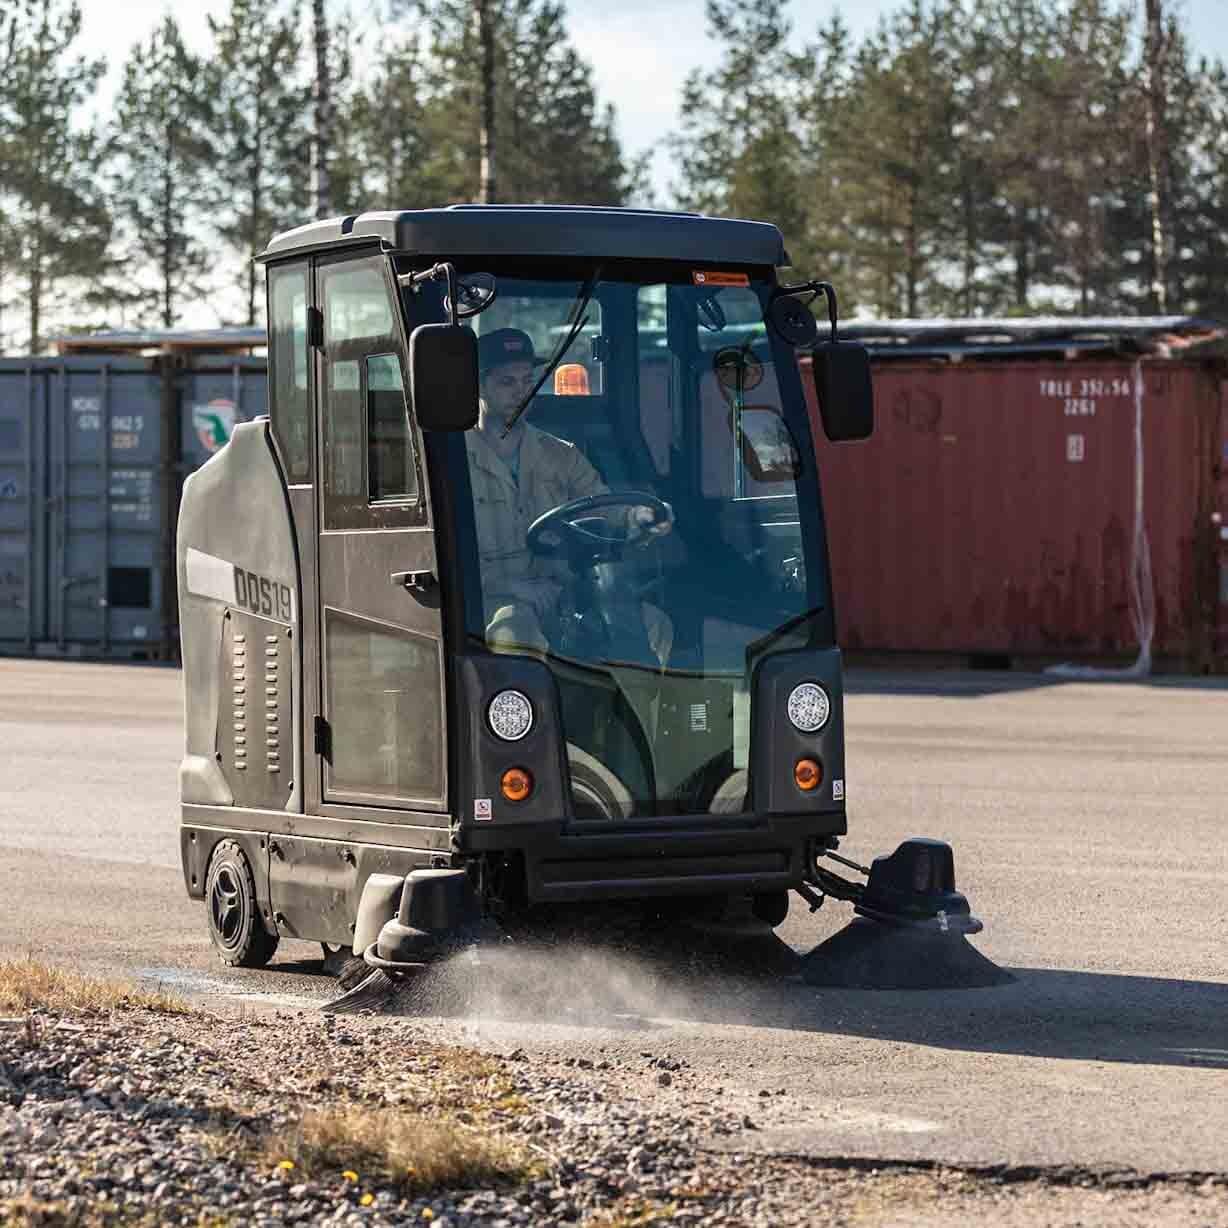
pixel 640 50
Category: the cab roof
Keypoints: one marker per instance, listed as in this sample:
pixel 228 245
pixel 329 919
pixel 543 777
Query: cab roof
pixel 542 230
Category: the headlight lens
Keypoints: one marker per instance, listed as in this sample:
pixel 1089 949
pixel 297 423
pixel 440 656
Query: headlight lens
pixel 809 707
pixel 510 715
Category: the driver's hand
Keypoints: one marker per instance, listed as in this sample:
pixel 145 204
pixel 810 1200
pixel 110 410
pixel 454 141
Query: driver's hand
pixel 648 525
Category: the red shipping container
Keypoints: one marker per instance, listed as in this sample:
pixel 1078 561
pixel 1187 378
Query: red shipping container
pixel 992 515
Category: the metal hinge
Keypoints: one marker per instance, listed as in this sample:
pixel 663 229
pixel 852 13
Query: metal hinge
pixel 324 738
pixel 315 326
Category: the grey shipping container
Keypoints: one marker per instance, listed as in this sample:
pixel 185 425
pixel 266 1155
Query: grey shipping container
pixel 93 452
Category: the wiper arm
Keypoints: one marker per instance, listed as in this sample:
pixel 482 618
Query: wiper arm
pixel 577 320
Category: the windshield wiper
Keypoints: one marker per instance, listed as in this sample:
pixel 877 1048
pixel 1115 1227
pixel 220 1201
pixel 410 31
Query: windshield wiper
pixel 577 320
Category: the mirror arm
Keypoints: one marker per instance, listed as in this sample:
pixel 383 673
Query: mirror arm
pixel 814 289
pixel 444 269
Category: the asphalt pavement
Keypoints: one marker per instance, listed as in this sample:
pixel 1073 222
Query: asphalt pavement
pixel 1089 822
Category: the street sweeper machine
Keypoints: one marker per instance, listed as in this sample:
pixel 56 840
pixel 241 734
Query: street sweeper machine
pixel 520 594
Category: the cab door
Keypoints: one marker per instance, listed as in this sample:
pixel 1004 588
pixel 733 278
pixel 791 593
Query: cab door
pixel 382 742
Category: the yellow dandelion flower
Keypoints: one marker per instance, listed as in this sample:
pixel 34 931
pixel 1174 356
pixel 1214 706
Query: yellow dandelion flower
pixel 286 1166
pixel 366 1200
pixel 350 1175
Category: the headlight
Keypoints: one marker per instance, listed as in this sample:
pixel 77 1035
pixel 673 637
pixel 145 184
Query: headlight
pixel 809 707
pixel 510 715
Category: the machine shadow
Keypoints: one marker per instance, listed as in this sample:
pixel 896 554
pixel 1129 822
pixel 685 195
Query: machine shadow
pixel 749 978
pixel 977 684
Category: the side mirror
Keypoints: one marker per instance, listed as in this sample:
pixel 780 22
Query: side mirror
pixel 842 384
pixel 443 377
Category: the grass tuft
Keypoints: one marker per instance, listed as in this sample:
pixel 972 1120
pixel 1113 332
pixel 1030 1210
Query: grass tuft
pixel 414 1150
pixel 633 1213
pixel 28 984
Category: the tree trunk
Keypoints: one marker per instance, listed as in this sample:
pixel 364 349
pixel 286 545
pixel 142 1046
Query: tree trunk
pixel 968 305
pixel 36 290
pixel 912 247
pixel 1022 271
pixel 320 140
pixel 486 40
pixel 1155 53
pixel 168 272
pixel 254 216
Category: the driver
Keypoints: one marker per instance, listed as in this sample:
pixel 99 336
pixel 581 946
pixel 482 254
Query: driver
pixel 516 479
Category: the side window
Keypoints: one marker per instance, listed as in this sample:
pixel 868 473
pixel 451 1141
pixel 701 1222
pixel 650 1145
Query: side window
pixel 289 404
pixel 370 468
pixel 391 473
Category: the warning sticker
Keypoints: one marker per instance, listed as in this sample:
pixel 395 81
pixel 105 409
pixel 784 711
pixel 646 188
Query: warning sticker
pixel 837 790
pixel 720 279
pixel 481 809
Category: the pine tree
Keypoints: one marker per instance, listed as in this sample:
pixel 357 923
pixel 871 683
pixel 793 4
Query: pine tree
pixel 740 149
pixel 51 165
pixel 264 132
pixel 901 114
pixel 165 169
pixel 555 143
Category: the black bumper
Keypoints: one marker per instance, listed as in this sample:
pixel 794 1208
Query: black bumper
pixel 637 859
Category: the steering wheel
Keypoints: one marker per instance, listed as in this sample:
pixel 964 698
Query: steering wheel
pixel 562 531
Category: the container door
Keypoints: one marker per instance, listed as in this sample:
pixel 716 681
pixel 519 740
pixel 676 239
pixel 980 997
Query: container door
pixel 23 576
pixel 381 649
pixel 1219 523
pixel 105 533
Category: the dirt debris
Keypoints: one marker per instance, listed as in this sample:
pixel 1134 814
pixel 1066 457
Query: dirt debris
pixel 135 1112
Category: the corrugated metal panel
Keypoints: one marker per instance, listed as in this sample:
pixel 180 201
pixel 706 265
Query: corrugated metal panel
pixel 993 511
pixel 1219 534
pixel 93 451
pixel 23 597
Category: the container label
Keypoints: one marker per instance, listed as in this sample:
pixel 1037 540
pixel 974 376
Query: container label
pixel 1075 450
pixel 482 811
pixel 131 493
pixel 214 423
pixel 88 413
pixel 837 790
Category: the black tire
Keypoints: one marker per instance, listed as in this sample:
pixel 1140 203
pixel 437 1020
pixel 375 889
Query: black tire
pixel 235 926
pixel 596 792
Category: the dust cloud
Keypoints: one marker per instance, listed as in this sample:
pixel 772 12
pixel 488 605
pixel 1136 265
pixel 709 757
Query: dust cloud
pixel 588 976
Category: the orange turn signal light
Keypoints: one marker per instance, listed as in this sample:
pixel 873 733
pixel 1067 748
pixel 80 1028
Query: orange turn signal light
pixel 516 784
pixel 571 380
pixel 807 774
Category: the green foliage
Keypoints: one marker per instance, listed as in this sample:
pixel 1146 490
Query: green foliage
pixel 263 105
pixel 420 115
pixel 164 172
pixel 50 166
pixel 968 157
pixel 738 151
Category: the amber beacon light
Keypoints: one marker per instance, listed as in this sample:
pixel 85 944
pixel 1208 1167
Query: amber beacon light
pixel 571 380
pixel 807 774
pixel 516 784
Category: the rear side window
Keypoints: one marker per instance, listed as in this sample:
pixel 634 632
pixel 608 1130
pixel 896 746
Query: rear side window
pixel 289 404
pixel 390 454
pixel 370 477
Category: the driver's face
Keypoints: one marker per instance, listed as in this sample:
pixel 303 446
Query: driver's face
pixel 505 387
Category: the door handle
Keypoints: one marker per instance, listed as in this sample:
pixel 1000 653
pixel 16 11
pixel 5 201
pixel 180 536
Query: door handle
pixel 415 581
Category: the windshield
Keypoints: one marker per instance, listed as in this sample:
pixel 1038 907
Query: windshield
pixel 649 526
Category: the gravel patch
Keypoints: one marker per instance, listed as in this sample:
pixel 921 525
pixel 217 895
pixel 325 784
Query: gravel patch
pixel 136 1116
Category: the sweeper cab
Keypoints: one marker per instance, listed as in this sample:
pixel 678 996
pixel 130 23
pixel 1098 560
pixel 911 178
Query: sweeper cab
pixel 520 594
